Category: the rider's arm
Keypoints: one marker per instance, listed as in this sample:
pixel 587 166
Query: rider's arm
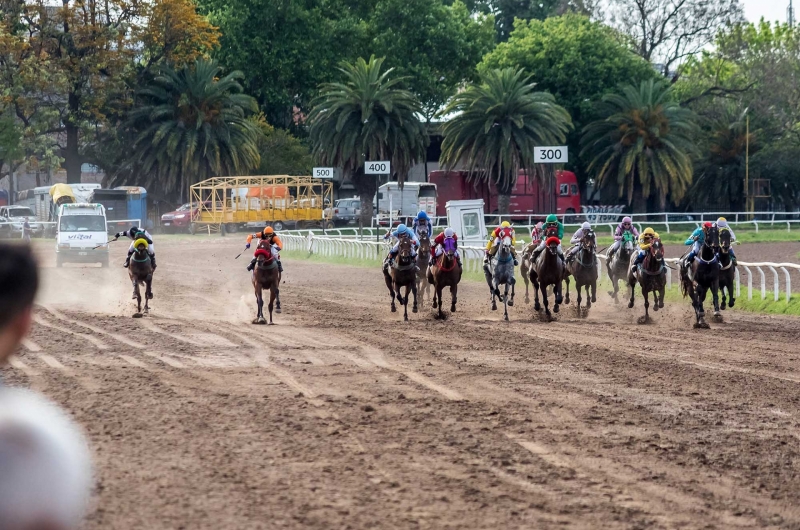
pixel 634 231
pixel 733 236
pixel 560 230
pixel 576 237
pixel 276 242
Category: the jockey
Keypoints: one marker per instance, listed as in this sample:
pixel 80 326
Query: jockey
pixel 551 224
pixel 536 238
pixel 438 244
pixel 576 239
pixel 625 226
pixel 422 224
pixel 402 231
pixel 268 235
pixel 722 224
pixel 697 239
pixel 504 230
pixel 138 233
pixel 646 239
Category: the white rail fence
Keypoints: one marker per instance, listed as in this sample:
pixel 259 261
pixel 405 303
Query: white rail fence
pixel 472 259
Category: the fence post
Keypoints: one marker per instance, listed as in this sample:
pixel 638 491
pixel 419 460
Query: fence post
pixel 763 283
pixel 749 282
pixel 738 283
pixel 776 287
pixel 666 221
pixel 669 278
pixel 788 278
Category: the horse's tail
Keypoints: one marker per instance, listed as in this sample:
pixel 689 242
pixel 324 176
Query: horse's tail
pixel 686 284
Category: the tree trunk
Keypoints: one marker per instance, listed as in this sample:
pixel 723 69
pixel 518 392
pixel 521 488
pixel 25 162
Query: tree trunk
pixel 366 186
pixel 503 201
pixel 72 157
pixel 639 202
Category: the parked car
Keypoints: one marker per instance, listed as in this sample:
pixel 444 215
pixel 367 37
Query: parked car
pixel 178 220
pixel 344 212
pixel 13 218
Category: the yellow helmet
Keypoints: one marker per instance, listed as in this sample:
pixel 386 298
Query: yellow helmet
pixel 722 219
pixel 505 224
pixel 649 231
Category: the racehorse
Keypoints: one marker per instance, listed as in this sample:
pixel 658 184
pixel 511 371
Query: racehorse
pixel 423 260
pixel 584 268
pixel 727 274
pixel 619 265
pixel 704 275
pixel 548 270
pixel 652 277
pixel 402 274
pixel 501 272
pixel 445 272
pixel 266 276
pixel 140 271
pixel 525 267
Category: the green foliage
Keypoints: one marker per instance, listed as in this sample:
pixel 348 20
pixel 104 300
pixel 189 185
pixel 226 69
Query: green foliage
pixel 642 143
pixel 367 117
pixel 281 153
pixel 192 125
pixel 496 125
pixel 436 46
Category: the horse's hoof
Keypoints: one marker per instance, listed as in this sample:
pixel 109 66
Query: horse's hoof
pixel 630 305
pixel 537 307
pixel 556 309
pixel 453 309
pixel 730 304
pixel 701 325
pixel 394 309
pixel 594 299
pixel 494 307
pixel 661 305
pixel 278 310
pixel 149 296
pixel 505 317
pixel 527 300
pixel 718 318
pixel 414 309
pixel 611 294
pixel 405 317
pixel 655 307
pixel 137 315
pixel 433 305
pixel 133 297
pixel 511 303
pixel 643 320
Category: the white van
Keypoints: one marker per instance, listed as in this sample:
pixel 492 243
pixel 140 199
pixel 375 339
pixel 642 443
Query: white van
pixel 81 235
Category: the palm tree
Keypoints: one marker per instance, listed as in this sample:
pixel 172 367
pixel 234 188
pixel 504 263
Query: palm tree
pixel 644 141
pixel 192 124
pixel 496 125
pixel 368 116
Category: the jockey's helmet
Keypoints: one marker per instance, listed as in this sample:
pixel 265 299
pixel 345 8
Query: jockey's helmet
pixel 551 218
pixel 449 232
pixel 505 224
pixel 401 228
pixel 133 230
pixel 722 223
pixel 708 224
pixel 268 231
pixel 649 232
pixel 586 226
pixel 539 225
pixel 626 221
pixel 422 216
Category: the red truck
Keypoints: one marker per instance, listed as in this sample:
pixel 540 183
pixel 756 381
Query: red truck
pixel 527 197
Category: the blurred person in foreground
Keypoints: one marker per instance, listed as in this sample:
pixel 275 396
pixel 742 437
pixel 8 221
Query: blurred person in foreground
pixel 45 468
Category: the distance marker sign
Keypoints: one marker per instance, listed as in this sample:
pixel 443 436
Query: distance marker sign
pixel 377 168
pixel 323 173
pixel 554 154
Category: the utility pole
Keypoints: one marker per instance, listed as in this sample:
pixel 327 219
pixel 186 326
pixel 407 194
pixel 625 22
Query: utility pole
pixel 790 14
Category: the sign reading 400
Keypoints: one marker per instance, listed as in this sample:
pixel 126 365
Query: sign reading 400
pixel 377 168
pixel 554 154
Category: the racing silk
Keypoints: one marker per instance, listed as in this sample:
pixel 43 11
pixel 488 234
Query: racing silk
pixel 577 236
pixel 440 239
pixel 536 235
pixel 502 232
pixel 273 238
pixel 699 234
pixel 137 235
pixel 407 232
pixel 560 228
pixel 645 240
pixel 621 232
pixel 415 227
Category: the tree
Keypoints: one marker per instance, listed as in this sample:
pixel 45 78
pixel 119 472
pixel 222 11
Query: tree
pixel 281 153
pixel 192 124
pixel 576 60
pixel 287 48
pixel 495 126
pixel 643 143
pixel 666 32
pixel 434 45
pixel 367 117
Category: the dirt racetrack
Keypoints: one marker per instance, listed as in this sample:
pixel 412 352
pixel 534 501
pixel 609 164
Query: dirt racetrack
pixel 342 416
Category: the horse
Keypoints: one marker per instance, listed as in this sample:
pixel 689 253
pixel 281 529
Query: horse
pixel 618 266
pixel 652 277
pixel 525 264
pixel 266 276
pixel 548 270
pixel 727 274
pixel 584 268
pixel 702 275
pixel 402 274
pixel 423 260
pixel 501 272
pixel 445 272
pixel 140 271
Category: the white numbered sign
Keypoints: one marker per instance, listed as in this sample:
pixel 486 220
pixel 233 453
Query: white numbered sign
pixel 323 173
pixel 554 154
pixel 377 168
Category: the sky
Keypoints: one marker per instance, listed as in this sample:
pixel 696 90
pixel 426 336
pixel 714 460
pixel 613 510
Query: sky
pixel 769 9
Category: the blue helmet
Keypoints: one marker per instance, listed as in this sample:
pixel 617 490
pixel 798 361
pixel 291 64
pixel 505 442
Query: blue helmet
pixel 401 228
pixel 422 215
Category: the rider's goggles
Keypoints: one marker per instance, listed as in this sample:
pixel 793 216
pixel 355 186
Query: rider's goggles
pixel 626 225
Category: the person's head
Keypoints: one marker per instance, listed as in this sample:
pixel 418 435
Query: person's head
pixel 45 467
pixel 449 232
pixel 422 216
pixel 133 231
pixel 586 226
pixel 722 222
pixel 505 224
pixel 269 232
pixel 626 223
pixel 649 233
pixel 19 280
pixel 551 219
pixel 401 228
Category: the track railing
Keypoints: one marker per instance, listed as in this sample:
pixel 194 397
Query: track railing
pixel 472 259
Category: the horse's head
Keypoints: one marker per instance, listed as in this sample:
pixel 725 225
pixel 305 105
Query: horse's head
pixel 657 249
pixel 551 244
pixel 712 236
pixel 628 241
pixel 725 240
pixel 263 251
pixel 450 246
pixel 505 245
pixel 424 241
pixel 589 240
pixel 140 247
pixel 404 249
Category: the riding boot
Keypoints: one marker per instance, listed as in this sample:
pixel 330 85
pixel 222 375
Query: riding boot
pixel 280 267
pixel 252 265
pixel 561 255
pixel 458 260
pixel 128 259
pixel 153 260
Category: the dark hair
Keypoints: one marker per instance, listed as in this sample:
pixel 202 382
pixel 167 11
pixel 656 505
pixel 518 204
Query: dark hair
pixel 19 279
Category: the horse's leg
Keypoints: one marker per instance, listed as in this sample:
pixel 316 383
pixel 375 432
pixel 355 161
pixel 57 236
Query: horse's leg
pixel 259 303
pixel 404 301
pixel 632 288
pixel 453 297
pixel 525 279
pixel 543 288
pixel 661 292
pixel 594 290
pixel 536 288
pixel 138 296
pixel 557 293
pixel 439 298
pixel 273 294
pixel 566 298
pixel 148 293
pixel 588 287
pixel 731 292
pixel 278 295
pixel 435 295
pixel 391 286
pixel 645 295
pixel 505 302
pixel 414 292
pixel 495 292
pixel 513 283
pixel 715 298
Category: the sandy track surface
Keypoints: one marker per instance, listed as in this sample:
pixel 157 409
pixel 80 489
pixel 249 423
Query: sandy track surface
pixel 343 416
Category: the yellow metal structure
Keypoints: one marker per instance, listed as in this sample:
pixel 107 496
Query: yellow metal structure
pixel 261 200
